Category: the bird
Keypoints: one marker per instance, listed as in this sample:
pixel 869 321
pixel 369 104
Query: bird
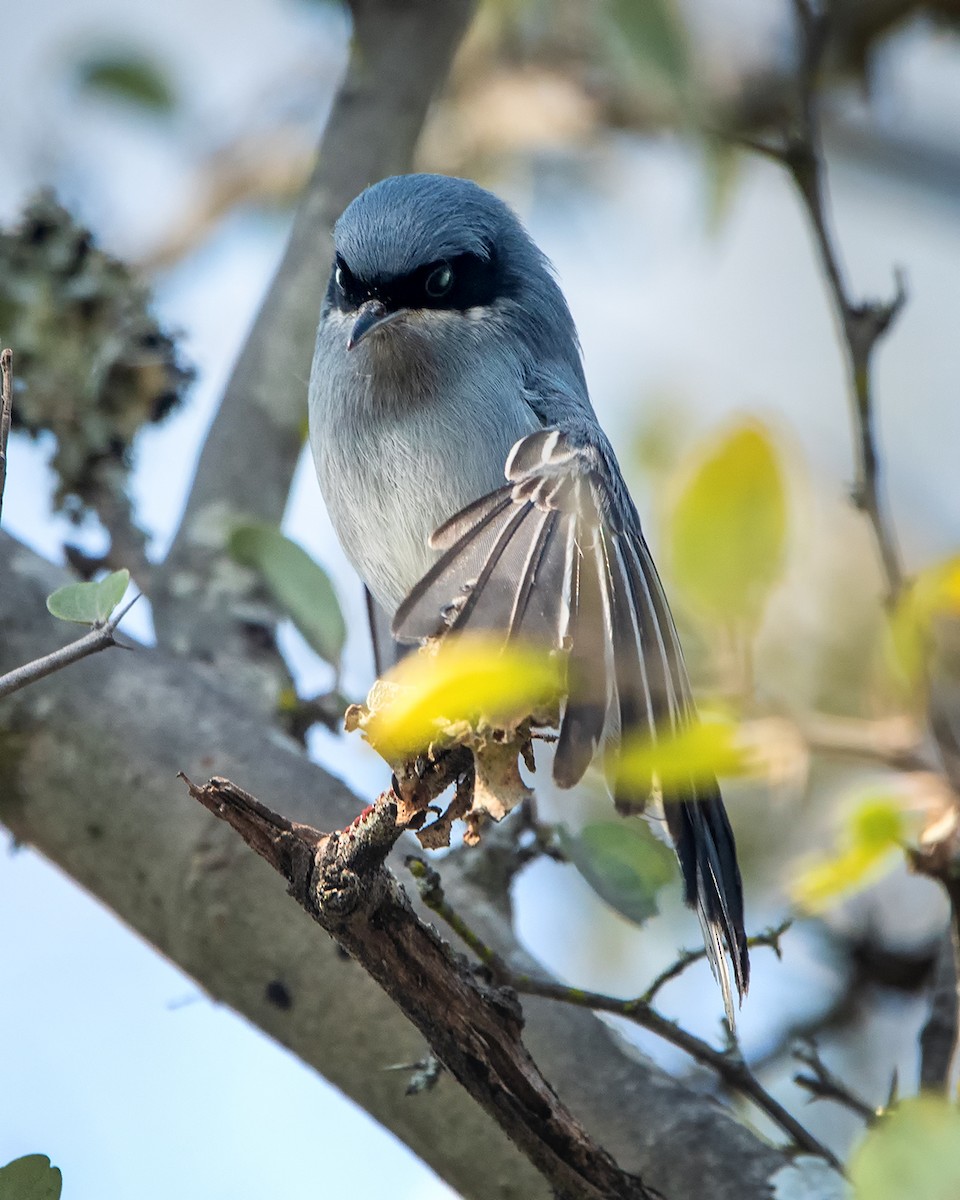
pixel 473 489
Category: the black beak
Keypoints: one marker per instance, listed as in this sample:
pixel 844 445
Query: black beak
pixel 370 315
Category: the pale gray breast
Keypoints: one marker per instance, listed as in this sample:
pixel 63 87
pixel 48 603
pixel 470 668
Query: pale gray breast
pixel 406 429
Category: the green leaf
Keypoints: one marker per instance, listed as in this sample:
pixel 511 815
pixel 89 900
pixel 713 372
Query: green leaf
pixel 656 38
pixel 89 603
pixel 914 1152
pixel 300 586
pixel 624 864
pixel 727 533
pixel 30 1178
pixel 876 828
pixel 129 76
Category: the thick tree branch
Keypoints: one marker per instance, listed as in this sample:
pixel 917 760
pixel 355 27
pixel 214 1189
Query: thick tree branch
pixel 74 743
pixel 203 606
pixel 341 881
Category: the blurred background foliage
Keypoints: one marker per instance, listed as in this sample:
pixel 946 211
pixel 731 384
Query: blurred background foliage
pixel 631 113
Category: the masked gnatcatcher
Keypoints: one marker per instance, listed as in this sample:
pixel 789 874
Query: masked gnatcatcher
pixel 446 362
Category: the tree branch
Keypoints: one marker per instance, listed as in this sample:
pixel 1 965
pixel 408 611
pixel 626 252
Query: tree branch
pixel 686 958
pixel 822 1084
pixel 99 638
pixel 728 1063
pixel 341 881
pixel 861 323
pixel 402 50
pixel 78 740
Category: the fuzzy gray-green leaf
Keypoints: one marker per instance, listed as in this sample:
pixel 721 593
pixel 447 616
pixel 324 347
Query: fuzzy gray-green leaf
pixel 624 864
pixel 89 603
pixel 300 586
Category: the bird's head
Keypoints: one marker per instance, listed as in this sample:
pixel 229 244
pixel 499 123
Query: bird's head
pixel 417 251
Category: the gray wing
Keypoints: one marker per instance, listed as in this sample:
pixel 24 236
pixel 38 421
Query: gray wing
pixel 557 557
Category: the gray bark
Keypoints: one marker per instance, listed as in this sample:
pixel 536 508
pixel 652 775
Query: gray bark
pixel 203 605
pixel 88 763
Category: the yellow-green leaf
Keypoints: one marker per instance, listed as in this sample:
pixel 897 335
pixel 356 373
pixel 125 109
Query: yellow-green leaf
pixel 935 593
pixel 466 679
pixel 624 864
pixel 912 1153
pixel 727 533
pixel 695 754
pixel 876 828
pixel 89 603
pixel 299 585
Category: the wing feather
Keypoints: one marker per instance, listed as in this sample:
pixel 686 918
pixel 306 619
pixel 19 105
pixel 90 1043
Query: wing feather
pixel 557 557
pixel 423 614
pixel 588 676
pixel 536 607
pixel 664 708
pixel 468 520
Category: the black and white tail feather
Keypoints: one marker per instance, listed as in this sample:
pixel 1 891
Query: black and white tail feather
pixel 557 557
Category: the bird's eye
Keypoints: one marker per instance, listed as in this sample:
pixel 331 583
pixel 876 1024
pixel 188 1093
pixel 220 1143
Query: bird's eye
pixel 340 278
pixel 439 281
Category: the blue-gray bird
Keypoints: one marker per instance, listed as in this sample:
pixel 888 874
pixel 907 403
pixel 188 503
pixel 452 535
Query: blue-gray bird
pixel 447 362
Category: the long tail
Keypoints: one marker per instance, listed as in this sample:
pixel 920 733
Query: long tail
pixel 708 860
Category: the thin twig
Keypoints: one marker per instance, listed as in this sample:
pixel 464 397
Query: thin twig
pixel 431 892
pixel 768 937
pixel 424 1074
pixel 822 1084
pixel 861 323
pixel 99 638
pixel 731 1068
pixel 728 1063
pixel 6 414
